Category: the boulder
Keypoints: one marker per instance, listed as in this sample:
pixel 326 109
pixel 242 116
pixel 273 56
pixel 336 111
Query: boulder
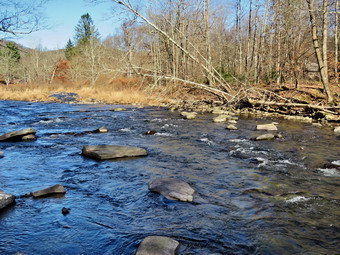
pixel 267 127
pixel 56 189
pixel 158 245
pixel 6 199
pixel 189 115
pixel 231 127
pixel 17 135
pixel 172 189
pixel 221 118
pixel 337 130
pixel 265 137
pixel 112 151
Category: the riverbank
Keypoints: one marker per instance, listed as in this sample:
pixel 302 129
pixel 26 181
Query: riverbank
pixel 306 104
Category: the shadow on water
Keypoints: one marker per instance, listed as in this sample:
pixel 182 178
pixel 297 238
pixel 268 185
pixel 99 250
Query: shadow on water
pixel 271 197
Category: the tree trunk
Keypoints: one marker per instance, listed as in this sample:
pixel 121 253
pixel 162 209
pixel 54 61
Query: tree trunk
pixel 336 41
pixel 321 59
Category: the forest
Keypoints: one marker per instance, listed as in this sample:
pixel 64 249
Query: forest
pixel 227 50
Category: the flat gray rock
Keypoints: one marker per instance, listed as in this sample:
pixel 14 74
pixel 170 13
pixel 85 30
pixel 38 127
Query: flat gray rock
pixel 172 189
pixel 56 189
pixel 268 127
pixel 112 151
pixel 158 245
pixel 265 137
pixel 17 135
pixel 6 199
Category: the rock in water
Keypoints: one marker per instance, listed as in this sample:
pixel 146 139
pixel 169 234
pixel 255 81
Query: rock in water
pixel 56 189
pixel 119 109
pixel 265 137
pixel 102 130
pixel 112 151
pixel 17 135
pixel 158 245
pixel 221 118
pixel 189 115
pixel 1 154
pixel 172 189
pixel 268 127
pixel 150 132
pixel 231 127
pixel 337 130
pixel 28 138
pixel 65 210
pixel 6 199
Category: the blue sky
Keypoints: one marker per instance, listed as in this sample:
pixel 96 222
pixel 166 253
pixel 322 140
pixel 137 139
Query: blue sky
pixel 61 18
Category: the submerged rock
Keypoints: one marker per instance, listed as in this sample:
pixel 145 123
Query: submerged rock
pixel 56 189
pixel 267 127
pixel 158 245
pixel 6 199
pixel 265 137
pixel 231 127
pixel 172 189
pixel 112 151
pixel 17 135
pixel 189 115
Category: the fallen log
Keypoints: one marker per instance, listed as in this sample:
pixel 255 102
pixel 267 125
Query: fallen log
pixel 311 106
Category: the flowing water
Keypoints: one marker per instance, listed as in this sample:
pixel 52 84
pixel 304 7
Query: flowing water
pixel 270 197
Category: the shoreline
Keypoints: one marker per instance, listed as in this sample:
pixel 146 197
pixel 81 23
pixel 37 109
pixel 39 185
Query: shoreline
pixel 131 95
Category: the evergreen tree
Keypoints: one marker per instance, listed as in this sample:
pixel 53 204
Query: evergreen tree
pixel 69 50
pixel 9 61
pixel 12 52
pixel 85 31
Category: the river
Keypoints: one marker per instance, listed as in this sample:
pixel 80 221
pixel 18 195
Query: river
pixel 268 197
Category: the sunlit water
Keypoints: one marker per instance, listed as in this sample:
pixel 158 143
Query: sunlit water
pixel 271 197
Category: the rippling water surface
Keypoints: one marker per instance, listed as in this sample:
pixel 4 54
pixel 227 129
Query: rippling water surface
pixel 271 197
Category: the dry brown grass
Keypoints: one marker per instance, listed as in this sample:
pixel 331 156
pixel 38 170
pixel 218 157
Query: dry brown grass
pixel 118 91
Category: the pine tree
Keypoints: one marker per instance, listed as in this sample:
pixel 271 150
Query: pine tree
pixel 12 51
pixel 69 50
pixel 85 30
